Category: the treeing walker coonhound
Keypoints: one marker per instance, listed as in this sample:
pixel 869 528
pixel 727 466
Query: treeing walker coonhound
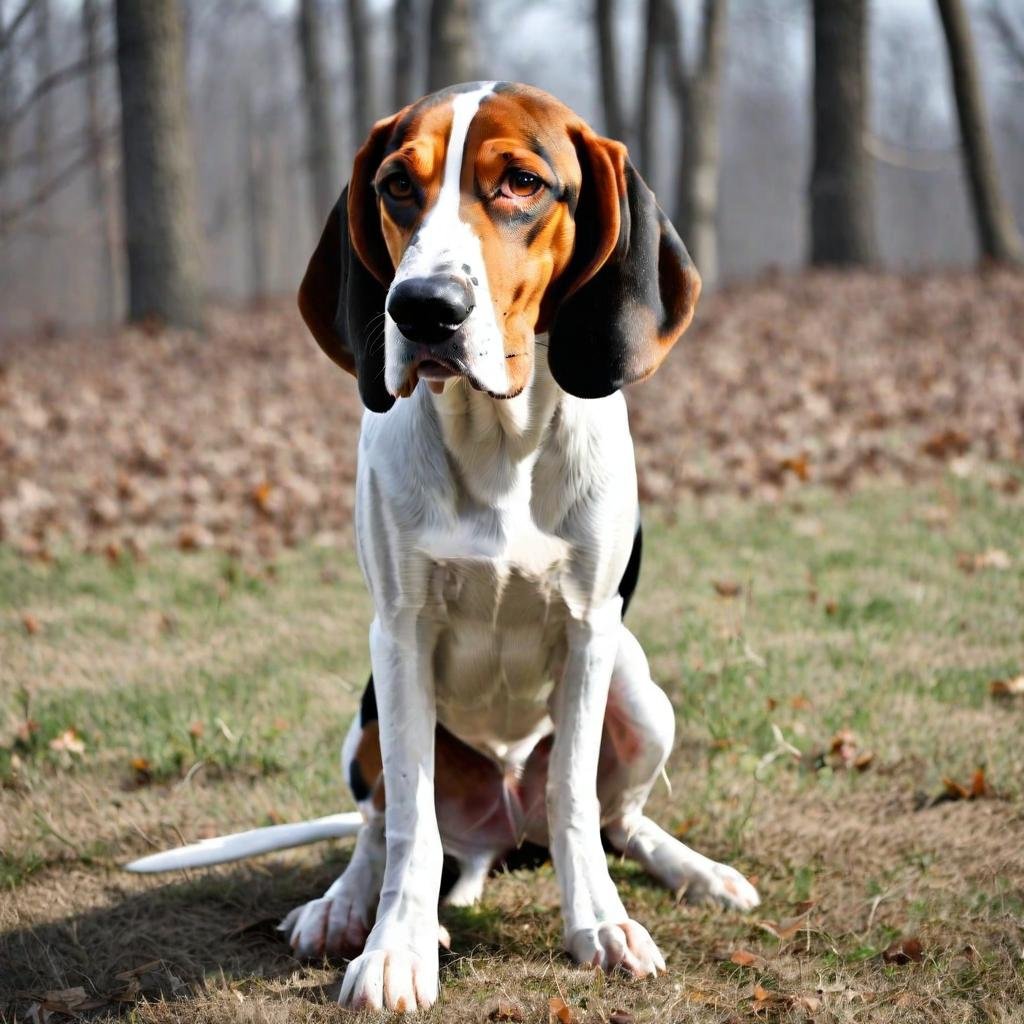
pixel 497 528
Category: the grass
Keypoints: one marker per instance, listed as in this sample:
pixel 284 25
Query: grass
pixel 205 695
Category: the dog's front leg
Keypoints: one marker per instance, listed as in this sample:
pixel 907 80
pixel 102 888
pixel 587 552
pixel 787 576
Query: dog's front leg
pixel 598 930
pixel 399 966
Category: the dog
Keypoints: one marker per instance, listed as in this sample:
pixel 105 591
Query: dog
pixel 494 273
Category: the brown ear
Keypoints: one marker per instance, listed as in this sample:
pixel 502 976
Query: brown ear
pixel 343 292
pixel 630 289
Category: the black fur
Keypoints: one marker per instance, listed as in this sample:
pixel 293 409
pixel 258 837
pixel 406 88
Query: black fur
pixel 599 331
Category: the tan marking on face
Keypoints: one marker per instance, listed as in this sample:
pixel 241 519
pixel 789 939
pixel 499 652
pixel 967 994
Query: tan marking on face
pixel 421 156
pixel 527 242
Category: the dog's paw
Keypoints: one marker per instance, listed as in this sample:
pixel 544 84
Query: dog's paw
pixel 330 926
pixel 626 945
pixel 400 979
pixel 719 884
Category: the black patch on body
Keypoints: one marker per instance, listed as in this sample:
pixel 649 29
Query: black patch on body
pixel 629 578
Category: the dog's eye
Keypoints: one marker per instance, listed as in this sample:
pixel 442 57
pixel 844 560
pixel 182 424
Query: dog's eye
pixel 398 186
pixel 522 184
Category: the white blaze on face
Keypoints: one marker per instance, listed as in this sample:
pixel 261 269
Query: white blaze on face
pixel 445 244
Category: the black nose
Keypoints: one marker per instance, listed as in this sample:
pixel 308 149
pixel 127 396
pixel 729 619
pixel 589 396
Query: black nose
pixel 430 309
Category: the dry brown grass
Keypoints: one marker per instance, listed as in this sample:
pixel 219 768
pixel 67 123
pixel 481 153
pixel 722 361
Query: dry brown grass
pixel 893 640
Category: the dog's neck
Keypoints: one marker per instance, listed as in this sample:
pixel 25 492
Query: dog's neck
pixel 491 439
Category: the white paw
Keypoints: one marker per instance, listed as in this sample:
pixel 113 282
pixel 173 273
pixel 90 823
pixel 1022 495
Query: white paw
pixel 712 882
pixel 626 945
pixel 400 979
pixel 337 924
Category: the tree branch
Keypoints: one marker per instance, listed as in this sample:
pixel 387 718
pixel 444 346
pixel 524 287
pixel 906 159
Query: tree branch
pixel 1011 36
pixel 10 217
pixel 7 32
pixel 54 81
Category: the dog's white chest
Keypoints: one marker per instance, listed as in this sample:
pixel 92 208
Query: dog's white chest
pixel 495 595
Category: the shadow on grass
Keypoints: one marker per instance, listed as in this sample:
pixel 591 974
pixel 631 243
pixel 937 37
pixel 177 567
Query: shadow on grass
pixel 165 941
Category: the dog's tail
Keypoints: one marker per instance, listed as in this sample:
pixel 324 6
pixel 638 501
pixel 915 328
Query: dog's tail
pixel 221 849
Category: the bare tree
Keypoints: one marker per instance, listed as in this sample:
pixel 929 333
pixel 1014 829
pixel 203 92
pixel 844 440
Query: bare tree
pixel 257 198
pixel 404 57
pixel 452 53
pixel 321 157
pixel 608 60
pixel 842 178
pixel 96 141
pixel 6 95
pixel 648 86
pixel 997 233
pixel 362 85
pixel 697 94
pixel 44 119
pixel 161 226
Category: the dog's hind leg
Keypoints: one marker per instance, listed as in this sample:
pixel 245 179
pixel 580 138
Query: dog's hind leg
pixel 638 732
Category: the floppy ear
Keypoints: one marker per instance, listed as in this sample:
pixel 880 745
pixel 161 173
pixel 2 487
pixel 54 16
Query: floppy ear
pixel 342 294
pixel 630 289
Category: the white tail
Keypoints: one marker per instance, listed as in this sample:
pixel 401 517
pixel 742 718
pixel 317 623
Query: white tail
pixel 221 849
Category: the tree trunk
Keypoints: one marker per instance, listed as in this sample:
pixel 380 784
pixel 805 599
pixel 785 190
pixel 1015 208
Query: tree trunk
pixel 44 107
pixel 320 150
pixel 997 233
pixel 842 178
pixel 6 99
pixel 362 87
pixel 256 201
pixel 453 56
pixel 648 80
pixel 697 96
pixel 102 194
pixel 164 259
pixel 698 178
pixel 404 57
pixel 611 97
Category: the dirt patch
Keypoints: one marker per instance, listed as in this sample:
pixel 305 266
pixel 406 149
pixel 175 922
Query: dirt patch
pixel 245 438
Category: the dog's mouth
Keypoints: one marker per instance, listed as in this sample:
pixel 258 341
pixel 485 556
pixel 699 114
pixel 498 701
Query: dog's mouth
pixel 437 368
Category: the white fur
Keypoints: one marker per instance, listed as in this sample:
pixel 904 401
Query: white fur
pixel 238 846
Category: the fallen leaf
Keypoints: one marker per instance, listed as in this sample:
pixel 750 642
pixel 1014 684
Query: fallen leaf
pixel 797 465
pixel 559 1011
pixel 904 951
pixel 726 588
pixel 993 558
pixel 261 496
pixel 786 929
pixel 31 623
pixel 25 732
pixel 68 742
pixel 1007 687
pixel 744 958
pixel 503 1010
pixel 977 789
pixel 945 443
pixel 143 771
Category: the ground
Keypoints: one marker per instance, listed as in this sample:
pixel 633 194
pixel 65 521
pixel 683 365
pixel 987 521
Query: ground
pixel 842 645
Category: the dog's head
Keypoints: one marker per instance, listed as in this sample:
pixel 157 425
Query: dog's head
pixel 477 218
